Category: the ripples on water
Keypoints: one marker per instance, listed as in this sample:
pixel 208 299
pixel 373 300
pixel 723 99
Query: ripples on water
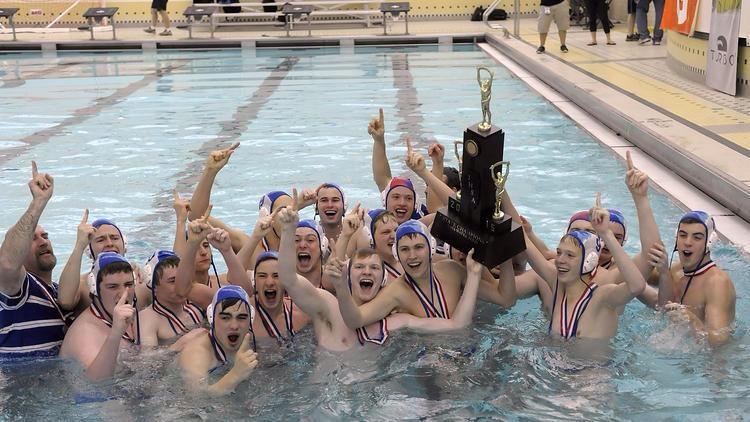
pixel 123 159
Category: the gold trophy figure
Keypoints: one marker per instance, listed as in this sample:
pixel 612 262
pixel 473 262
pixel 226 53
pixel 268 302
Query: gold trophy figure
pixel 485 86
pixel 458 154
pixel 499 178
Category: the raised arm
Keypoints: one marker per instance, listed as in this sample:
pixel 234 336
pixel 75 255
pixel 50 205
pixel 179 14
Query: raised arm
pixel 351 225
pixel 528 230
pixel 302 292
pixel 617 294
pixel 202 195
pixel 69 292
pixel 637 182
pixel 263 226
pixel 198 230
pixel 17 242
pixel 181 210
pixel 503 291
pixel 236 274
pixel 359 316
pixel 381 170
pixel 415 161
pixel 436 152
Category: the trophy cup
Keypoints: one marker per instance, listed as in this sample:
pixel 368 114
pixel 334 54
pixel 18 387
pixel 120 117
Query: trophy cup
pixel 475 219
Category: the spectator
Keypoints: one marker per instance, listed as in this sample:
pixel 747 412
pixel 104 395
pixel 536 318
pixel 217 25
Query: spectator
pixel 550 10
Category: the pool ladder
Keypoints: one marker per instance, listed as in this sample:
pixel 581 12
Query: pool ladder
pixel 516 16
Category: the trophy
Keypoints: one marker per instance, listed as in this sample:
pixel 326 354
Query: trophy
pixel 474 220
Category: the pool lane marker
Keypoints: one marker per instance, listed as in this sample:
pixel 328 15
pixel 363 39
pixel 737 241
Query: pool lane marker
pixel 231 131
pixel 82 114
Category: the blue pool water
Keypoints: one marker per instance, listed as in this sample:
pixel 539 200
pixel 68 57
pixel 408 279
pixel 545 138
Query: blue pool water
pixel 119 131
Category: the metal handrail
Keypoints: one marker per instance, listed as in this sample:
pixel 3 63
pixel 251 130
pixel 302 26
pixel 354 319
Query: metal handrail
pixel 516 15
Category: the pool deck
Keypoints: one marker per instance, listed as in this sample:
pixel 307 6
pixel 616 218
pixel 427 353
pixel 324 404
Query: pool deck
pixel 689 138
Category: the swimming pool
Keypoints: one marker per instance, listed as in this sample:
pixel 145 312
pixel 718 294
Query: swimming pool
pixel 119 130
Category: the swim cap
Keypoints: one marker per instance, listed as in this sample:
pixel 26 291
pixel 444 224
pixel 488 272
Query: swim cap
pixel 153 263
pixel 334 186
pixel 322 240
pixel 580 215
pixel 616 216
pixel 591 246
pixel 102 222
pixel 264 256
pixel 406 183
pixel 369 220
pixel 411 227
pixel 708 222
pixel 269 199
pixel 103 260
pixel 229 292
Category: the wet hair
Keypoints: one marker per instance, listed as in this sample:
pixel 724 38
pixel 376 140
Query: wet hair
pixel 452 178
pixel 170 262
pixel 228 303
pixel 381 219
pixel 571 241
pixel 113 268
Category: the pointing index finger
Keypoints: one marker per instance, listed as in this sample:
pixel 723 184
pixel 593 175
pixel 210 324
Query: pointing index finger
pixel 380 116
pixel 234 146
pixel 208 212
pixel 629 160
pixel 408 145
pixel 34 170
pixel 295 198
pixel 598 202
pixel 85 216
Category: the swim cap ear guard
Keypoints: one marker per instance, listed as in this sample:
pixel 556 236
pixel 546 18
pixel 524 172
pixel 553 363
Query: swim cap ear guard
pixel 334 186
pixel 591 246
pixel 616 216
pixel 413 227
pixel 153 263
pixel 708 223
pixel 102 222
pixel 104 259
pixel 322 239
pixel 229 292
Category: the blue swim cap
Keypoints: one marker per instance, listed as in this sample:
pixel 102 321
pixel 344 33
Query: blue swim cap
pixel 708 222
pixel 106 222
pixel 616 216
pixel 229 292
pixel 102 261
pixel 413 227
pixel 269 199
pixel 264 256
pixel 322 240
pixel 591 246
pixel 153 263
pixel 369 221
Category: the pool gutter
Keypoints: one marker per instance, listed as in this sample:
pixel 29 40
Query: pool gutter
pixel 687 179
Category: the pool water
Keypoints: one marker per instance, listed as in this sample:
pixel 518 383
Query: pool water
pixel 119 131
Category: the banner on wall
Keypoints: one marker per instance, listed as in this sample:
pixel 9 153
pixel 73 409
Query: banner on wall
pixel 679 15
pixel 721 66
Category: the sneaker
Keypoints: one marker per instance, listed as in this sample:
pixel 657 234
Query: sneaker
pixel 150 30
pixel 646 40
pixel 632 37
pixel 540 50
pixel 563 48
pixel 165 32
pixel 657 42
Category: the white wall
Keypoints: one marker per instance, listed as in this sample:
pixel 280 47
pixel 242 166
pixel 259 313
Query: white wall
pixel 703 22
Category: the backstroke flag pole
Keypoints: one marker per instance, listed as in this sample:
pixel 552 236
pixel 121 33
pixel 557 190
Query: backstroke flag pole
pixel 721 66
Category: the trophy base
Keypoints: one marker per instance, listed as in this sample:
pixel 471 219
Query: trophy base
pixel 493 243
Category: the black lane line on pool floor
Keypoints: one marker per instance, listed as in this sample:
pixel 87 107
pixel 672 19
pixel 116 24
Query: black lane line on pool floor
pixel 83 114
pixel 231 131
